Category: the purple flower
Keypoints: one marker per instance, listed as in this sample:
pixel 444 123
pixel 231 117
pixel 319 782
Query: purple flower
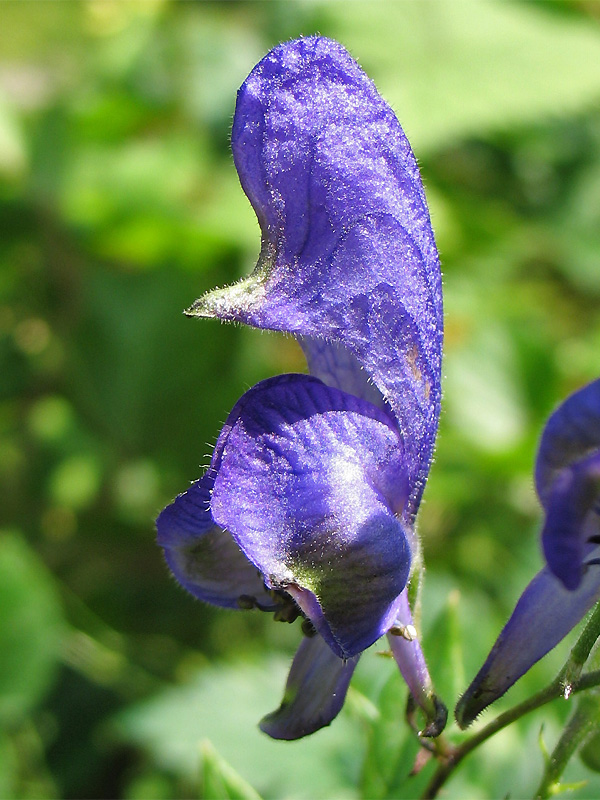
pixel 308 506
pixel 567 477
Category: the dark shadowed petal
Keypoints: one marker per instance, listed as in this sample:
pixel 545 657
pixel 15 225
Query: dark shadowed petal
pixel 571 434
pixel 314 692
pixel 309 482
pixel 205 559
pixel 348 254
pixel 572 507
pixel 544 615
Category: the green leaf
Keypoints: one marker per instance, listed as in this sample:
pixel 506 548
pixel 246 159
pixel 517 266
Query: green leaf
pixel 31 627
pixel 219 780
pixel 484 391
pixel 392 749
pixel 452 70
pixel 224 704
pixel 444 651
pixel 543 747
pixel 573 786
pixel 75 482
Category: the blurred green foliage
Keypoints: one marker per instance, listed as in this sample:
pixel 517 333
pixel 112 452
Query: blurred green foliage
pixel 119 205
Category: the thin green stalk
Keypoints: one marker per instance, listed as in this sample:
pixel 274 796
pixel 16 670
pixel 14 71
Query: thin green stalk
pixel 551 692
pixel 584 721
pixel 580 727
pixel 569 681
pixel 581 650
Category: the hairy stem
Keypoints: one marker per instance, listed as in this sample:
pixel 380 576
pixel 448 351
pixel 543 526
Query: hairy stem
pixel 580 727
pixel 569 681
pixel 584 721
pixel 551 692
pixel 581 650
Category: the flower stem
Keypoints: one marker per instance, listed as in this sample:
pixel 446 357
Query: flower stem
pixel 584 721
pixel 569 681
pixel 580 727
pixel 551 692
pixel 581 650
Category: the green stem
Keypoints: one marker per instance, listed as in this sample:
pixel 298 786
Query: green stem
pixel 569 681
pixel 584 721
pixel 551 692
pixel 580 727
pixel 581 650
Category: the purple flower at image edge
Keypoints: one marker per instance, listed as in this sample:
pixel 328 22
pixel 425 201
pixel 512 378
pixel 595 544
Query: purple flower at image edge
pixel 308 507
pixel 567 477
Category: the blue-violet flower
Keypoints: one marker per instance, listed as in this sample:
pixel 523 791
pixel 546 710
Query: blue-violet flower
pixel 308 507
pixel 567 477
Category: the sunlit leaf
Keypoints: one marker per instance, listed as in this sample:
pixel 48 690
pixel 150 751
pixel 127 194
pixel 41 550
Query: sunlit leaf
pixel 223 704
pixel 457 69
pixel 219 780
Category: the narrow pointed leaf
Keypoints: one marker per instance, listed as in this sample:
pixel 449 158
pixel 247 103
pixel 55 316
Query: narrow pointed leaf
pixel 219 780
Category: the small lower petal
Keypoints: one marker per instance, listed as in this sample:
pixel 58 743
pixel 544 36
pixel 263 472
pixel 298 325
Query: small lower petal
pixel 406 649
pixel 314 693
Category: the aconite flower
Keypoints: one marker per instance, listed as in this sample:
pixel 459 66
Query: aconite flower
pixel 567 477
pixel 308 507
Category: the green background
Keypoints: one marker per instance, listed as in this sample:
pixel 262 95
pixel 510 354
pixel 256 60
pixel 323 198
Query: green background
pixel 119 205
